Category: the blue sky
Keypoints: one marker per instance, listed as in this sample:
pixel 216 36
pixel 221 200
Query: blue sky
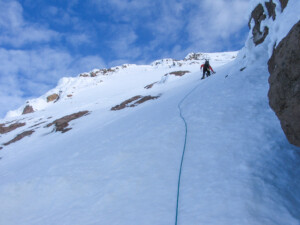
pixel 42 41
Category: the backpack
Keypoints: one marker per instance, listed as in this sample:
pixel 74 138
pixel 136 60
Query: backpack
pixel 206 65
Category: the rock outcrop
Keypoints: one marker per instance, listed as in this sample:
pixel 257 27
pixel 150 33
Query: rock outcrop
pixel 6 129
pixel 150 85
pixel 63 123
pixel 28 109
pixel 178 73
pixel 258 15
pixel 283 4
pixel 19 137
pixel 134 101
pixel 284 93
pixel 271 9
pixel 52 97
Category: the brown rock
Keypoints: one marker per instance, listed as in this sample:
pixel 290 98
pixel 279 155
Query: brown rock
pixel 258 15
pixel 93 74
pixel 19 137
pixel 283 4
pixel 284 80
pixel 136 100
pixel 69 96
pixel 150 85
pixel 144 99
pixel 4 130
pixel 63 123
pixel 84 75
pixel 125 103
pixel 52 97
pixel 28 109
pixel 179 73
pixel 107 71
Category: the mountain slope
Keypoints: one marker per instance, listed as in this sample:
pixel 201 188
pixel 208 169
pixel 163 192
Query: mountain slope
pixel 122 166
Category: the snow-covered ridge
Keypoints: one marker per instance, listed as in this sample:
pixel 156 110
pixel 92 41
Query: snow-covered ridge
pixel 69 87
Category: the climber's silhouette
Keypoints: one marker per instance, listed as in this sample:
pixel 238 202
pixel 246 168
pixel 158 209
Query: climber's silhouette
pixel 206 69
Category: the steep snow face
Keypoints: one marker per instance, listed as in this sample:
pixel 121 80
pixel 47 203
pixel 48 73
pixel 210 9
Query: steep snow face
pixel 119 80
pixel 122 166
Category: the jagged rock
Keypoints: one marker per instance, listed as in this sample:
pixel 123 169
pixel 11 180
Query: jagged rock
pixel 63 123
pixel 192 56
pixel 179 73
pixel 150 85
pixel 134 101
pixel 4 130
pixel 28 109
pixel 93 74
pixel 125 103
pixel 271 9
pixel 69 96
pixel 84 75
pixel 107 71
pixel 52 97
pixel 258 15
pixel 19 137
pixel 283 4
pixel 144 99
pixel 284 80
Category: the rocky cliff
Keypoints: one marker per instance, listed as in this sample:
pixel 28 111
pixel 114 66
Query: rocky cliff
pixel 283 65
pixel 284 93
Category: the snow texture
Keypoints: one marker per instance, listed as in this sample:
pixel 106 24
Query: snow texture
pixel 121 167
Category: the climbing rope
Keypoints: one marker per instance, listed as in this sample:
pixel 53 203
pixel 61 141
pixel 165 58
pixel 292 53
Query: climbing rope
pixel 184 147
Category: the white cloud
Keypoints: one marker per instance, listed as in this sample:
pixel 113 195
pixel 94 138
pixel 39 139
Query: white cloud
pixel 192 24
pixel 17 32
pixel 31 73
pixel 123 43
pixel 11 14
pixel 216 22
pixel 27 73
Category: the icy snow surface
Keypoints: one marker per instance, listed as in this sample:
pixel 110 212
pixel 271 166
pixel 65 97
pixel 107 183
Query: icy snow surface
pixel 121 167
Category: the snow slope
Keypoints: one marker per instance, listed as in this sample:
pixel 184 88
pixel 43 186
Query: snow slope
pixel 122 167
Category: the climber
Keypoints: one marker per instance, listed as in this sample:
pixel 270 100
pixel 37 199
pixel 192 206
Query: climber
pixel 206 69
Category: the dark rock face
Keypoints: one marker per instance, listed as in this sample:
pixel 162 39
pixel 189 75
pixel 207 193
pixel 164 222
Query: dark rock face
pixel 283 4
pixel 19 137
pixel 28 109
pixel 271 9
pixel 63 123
pixel 178 73
pixel 4 130
pixel 258 15
pixel 284 93
pixel 126 103
pixel 150 85
pixel 134 101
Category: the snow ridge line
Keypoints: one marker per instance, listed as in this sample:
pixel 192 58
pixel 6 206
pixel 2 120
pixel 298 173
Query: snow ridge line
pixel 184 147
